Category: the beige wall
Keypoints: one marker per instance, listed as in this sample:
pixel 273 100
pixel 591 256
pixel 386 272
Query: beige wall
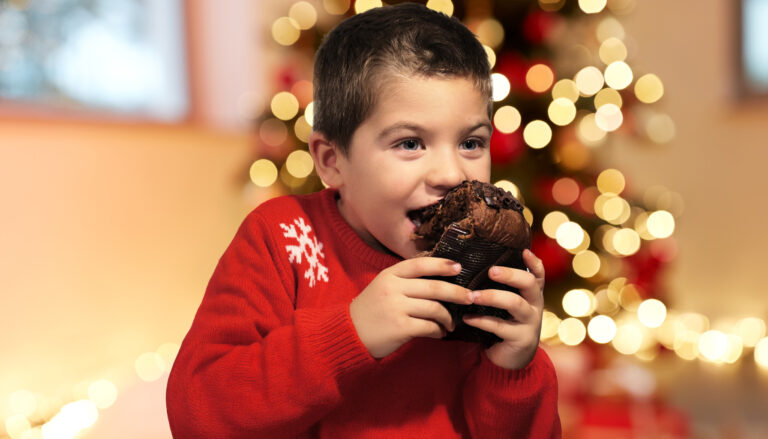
pixel 717 162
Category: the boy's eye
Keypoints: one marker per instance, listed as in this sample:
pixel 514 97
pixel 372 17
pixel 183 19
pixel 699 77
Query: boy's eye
pixel 410 145
pixel 472 144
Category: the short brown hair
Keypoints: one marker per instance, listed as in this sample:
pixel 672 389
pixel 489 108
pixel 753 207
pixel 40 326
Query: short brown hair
pixel 403 39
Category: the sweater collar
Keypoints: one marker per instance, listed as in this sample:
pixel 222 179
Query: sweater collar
pixel 351 240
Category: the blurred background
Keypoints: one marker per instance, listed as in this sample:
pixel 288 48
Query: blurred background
pixel 135 136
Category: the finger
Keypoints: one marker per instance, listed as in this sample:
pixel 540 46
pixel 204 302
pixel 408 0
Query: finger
pixel 437 290
pixel 426 328
pixel 505 329
pixel 534 264
pixel 517 306
pixel 430 310
pixel 426 266
pixel 530 287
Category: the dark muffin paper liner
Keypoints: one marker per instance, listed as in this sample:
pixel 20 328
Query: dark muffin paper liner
pixel 476 256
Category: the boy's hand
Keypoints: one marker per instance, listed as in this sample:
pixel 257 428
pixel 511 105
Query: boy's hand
pixel 521 333
pixel 398 305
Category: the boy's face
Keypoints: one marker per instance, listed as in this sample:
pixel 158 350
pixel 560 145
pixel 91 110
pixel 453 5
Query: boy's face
pixel 424 136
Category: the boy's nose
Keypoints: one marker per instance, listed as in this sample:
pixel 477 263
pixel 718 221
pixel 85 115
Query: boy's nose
pixel 446 172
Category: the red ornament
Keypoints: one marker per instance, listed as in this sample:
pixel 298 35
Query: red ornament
pixel 537 26
pixel 506 148
pixel 514 68
pixel 557 261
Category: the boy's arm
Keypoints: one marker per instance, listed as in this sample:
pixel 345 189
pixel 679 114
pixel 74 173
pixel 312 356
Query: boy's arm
pixel 252 365
pixel 503 403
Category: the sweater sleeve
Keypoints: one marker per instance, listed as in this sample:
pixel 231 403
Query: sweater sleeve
pixel 500 403
pixel 253 366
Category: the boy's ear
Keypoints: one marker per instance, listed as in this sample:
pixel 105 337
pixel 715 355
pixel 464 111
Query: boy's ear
pixel 326 156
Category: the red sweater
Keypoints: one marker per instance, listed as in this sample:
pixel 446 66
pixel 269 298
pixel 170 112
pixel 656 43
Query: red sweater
pixel 272 351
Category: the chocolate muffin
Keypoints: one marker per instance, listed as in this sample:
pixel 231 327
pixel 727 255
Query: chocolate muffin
pixel 478 225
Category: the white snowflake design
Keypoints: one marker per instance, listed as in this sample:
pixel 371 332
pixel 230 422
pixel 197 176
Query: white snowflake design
pixel 307 248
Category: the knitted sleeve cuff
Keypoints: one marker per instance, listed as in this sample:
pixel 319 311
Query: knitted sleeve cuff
pixel 539 372
pixel 331 336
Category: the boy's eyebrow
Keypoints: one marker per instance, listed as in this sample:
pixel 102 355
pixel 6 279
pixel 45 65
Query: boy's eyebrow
pixel 413 127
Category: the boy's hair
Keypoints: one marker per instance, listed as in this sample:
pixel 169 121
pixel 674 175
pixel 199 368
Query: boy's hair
pixel 406 39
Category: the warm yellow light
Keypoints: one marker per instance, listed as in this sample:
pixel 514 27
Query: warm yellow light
pixel 601 329
pixel 299 163
pixel 569 235
pixel 289 180
pixel 592 6
pixel 687 345
pixel 17 425
pixel 491 55
pixel 660 128
pixel 694 321
pixel 612 50
pixel 571 331
pixel 365 5
pixel 621 7
pixel 610 27
pixel 284 105
pixel 528 215
pixel 565 191
pixel 626 242
pixel 539 78
pixel 273 132
pixel 661 224
pixel 336 7
pixel 608 96
pixel 302 129
pixel 579 302
pixel 444 6
pixel 713 345
pixel 565 88
pixel 589 80
pixel 500 86
pixel 611 181
pixel 304 14
pixel 537 134
pixel 629 298
pixel 652 313
pixel 549 325
pixel 149 366
pixel 586 263
pixel 561 111
pixel 751 330
pixel 606 303
pixel 309 113
pixel 734 349
pixel 551 5
pixel 628 339
pixel 612 209
pixel 23 402
pixel 649 88
pixel 588 132
pixel 490 32
pixel 609 117
pixel 285 31
pixel 509 187
pixel 263 173
pixel 618 75
pixel 761 353
pixel 574 156
pixel 507 119
pixel 552 222
pixel 103 393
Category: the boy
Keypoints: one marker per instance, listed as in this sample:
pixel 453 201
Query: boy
pixel 318 321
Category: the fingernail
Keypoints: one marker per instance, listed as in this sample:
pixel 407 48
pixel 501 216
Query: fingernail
pixel 473 295
pixel 494 271
pixel 456 267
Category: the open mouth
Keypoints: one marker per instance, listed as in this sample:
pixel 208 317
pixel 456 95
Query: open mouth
pixel 422 214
